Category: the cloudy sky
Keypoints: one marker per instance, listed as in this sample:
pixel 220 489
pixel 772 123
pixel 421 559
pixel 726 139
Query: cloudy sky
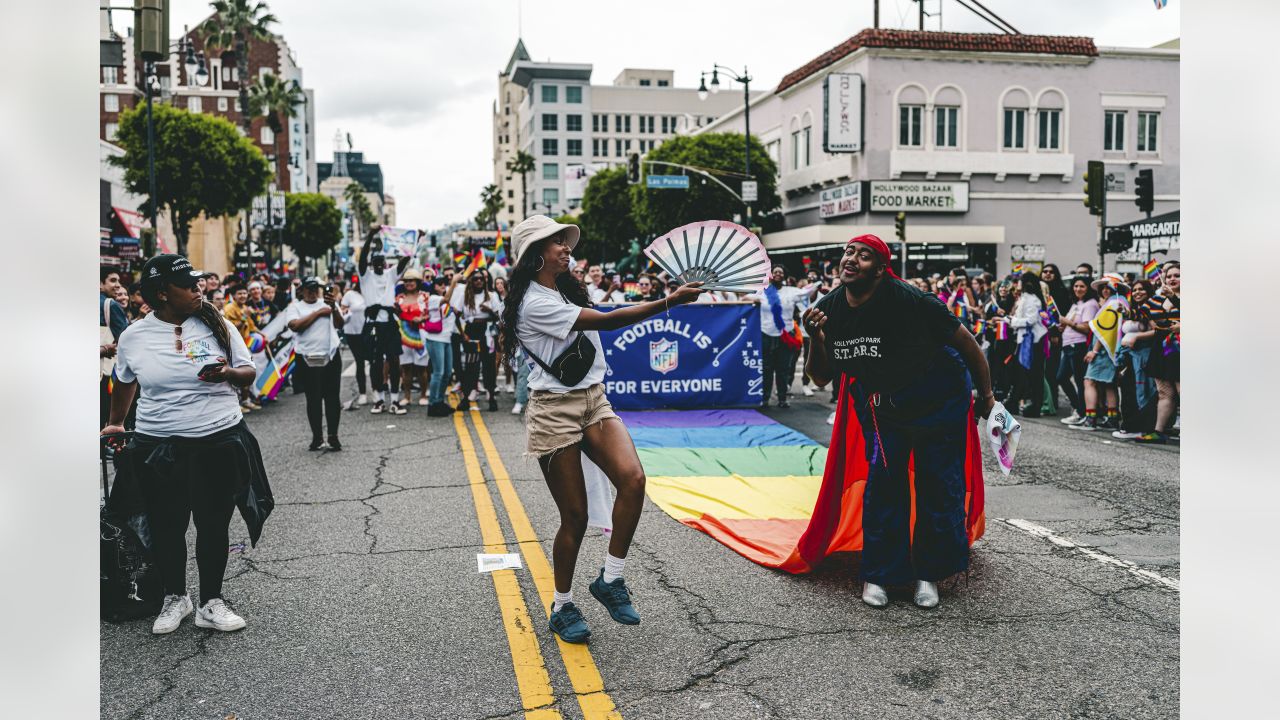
pixel 414 82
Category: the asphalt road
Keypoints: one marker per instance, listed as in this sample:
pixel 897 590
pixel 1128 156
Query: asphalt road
pixel 363 599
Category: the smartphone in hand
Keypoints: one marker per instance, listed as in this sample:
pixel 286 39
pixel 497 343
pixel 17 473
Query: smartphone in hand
pixel 210 368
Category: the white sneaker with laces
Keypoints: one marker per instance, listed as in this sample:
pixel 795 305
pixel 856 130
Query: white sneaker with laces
pixel 361 400
pixel 175 608
pixel 1124 435
pixel 517 408
pixel 215 614
pixel 1071 419
pixel 808 391
pixel 398 409
pixel 926 594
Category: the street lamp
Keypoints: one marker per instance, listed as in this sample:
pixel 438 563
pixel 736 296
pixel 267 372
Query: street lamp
pixel 745 79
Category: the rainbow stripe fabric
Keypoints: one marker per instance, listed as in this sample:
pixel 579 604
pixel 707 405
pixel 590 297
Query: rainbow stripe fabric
pixel 1151 270
pixel 736 475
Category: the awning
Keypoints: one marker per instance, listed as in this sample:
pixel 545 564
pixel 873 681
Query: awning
pixel 817 237
pixel 131 222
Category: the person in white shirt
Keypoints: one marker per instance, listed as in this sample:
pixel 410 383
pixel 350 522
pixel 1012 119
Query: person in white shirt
pixel 778 304
pixel 192 453
pixel 411 307
pixel 548 315
pixel 352 307
pixel 608 290
pixel 316 320
pixel 1028 381
pixel 437 333
pixel 378 285
pixel 480 310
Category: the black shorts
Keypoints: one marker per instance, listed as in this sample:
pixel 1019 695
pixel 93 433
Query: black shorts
pixel 385 339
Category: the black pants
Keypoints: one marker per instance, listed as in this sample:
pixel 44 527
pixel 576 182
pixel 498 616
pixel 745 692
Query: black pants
pixel 383 340
pixel 1133 417
pixel 203 491
pixel 1071 375
pixel 1051 365
pixel 1028 383
pixel 477 364
pixel 779 366
pixel 360 352
pixel 323 386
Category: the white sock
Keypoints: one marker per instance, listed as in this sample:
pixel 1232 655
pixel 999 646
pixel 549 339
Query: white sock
pixel 613 567
pixel 561 599
pixel 395 397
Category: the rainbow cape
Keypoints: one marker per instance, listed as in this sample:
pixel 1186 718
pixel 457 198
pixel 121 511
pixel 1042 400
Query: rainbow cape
pixel 410 337
pixel 765 490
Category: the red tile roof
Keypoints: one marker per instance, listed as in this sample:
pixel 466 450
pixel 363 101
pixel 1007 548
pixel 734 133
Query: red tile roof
pixel 928 40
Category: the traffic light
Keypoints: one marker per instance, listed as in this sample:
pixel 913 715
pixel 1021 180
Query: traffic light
pixel 1118 240
pixel 633 169
pixel 1144 186
pixel 1095 187
pixel 151 36
pixel 900 226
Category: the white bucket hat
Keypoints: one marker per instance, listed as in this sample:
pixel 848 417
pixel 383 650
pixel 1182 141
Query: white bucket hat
pixel 539 227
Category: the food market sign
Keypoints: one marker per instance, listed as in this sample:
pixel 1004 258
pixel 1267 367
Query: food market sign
pixel 919 196
pixel 842 200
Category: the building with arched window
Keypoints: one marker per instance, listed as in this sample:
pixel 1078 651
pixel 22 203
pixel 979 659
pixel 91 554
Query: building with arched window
pixel 982 139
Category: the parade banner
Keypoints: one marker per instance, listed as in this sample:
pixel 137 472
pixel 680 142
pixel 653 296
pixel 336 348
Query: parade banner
pixel 398 242
pixel 701 355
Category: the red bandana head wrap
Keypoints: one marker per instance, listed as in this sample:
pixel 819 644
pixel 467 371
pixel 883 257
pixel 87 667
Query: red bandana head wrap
pixel 880 248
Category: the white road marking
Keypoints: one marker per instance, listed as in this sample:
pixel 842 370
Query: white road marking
pixel 1046 533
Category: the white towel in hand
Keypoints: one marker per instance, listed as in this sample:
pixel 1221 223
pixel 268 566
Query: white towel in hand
pixel 1002 431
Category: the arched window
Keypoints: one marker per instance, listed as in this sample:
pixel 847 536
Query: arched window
pixel 796 140
pixel 806 139
pixel 948 109
pixel 1051 112
pixel 1015 105
pixel 911 100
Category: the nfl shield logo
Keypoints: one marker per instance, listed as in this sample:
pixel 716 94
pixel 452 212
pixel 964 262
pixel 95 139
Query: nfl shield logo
pixel 664 355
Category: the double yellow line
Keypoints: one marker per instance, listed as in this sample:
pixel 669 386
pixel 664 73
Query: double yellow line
pixel 526 656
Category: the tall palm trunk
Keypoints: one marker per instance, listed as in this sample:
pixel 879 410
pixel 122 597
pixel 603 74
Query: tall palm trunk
pixel 242 66
pixel 524 197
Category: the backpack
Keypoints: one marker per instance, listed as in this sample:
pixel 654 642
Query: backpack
pixel 129 584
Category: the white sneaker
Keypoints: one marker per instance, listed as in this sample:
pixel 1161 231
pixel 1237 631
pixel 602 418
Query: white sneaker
pixel 517 408
pixel 1123 435
pixel 509 389
pixel 808 391
pixel 361 400
pixel 474 394
pixel 175 608
pixel 1072 419
pixel 215 614
pixel 874 595
pixel 831 419
pixel 926 594
pixel 1177 422
pixel 397 409
pixel 378 407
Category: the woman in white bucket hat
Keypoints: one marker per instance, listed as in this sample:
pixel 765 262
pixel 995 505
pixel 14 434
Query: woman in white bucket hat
pixel 548 315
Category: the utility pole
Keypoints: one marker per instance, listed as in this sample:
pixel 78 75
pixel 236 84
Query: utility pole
pixel 921 2
pixel 876 12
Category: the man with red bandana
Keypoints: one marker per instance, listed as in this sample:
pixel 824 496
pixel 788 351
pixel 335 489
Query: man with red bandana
pixel 911 368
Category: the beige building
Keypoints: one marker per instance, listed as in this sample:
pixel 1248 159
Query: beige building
pixel 573 128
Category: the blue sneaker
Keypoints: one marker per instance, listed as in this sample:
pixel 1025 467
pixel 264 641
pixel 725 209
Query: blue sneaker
pixel 567 622
pixel 616 599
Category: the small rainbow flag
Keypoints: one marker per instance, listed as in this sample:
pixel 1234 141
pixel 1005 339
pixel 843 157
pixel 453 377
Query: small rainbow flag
pixel 1018 269
pixel 961 311
pixel 500 250
pixel 1151 270
pixel 459 258
pixel 272 377
pixel 477 261
pixel 1002 330
pixel 979 328
pixel 1052 307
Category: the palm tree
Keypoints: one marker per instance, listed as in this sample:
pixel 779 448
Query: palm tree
pixel 233 24
pixel 491 199
pixel 522 163
pixel 276 99
pixel 362 217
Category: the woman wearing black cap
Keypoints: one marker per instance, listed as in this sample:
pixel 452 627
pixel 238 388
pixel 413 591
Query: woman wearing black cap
pixel 192 453
pixel 315 321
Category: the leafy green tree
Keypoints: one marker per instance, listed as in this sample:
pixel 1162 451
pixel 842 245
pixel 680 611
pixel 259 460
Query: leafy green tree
pixel 522 164
pixel 202 165
pixel 233 24
pixel 277 100
pixel 607 222
pixel 313 224
pixel 491 205
pixel 657 211
pixel 362 215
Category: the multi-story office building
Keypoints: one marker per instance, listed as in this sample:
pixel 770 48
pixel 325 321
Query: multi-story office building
pixel 573 128
pixel 981 139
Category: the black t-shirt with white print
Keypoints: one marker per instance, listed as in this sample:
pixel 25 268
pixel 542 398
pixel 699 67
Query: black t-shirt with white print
pixel 891 340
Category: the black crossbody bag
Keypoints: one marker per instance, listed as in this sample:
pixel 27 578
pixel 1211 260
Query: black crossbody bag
pixel 573 364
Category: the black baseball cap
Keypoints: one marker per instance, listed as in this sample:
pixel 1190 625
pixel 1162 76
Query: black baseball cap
pixel 311 281
pixel 170 270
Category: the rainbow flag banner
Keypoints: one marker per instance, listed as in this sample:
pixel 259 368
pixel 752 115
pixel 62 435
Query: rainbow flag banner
pixel 766 491
pixel 1151 270
pixel 1002 330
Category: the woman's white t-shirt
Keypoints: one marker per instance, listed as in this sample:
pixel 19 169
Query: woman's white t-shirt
pixel 459 302
pixel 353 301
pixel 435 306
pixel 320 338
pixel 171 399
pixel 545 328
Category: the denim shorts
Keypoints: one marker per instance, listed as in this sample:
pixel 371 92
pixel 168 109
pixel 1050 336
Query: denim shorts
pixel 1102 369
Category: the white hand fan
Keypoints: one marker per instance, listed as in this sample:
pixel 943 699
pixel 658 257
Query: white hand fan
pixel 721 255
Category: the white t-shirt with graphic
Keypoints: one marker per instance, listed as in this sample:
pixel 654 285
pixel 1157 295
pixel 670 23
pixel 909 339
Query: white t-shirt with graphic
pixel 320 338
pixel 545 328
pixel 380 290
pixel 172 400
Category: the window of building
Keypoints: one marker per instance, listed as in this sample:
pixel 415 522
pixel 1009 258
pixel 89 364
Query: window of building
pixel 1147 122
pixel 599 123
pixel 1050 122
pixel 222 104
pixel 644 83
pixel 111 103
pixel 110 74
pixel 109 130
pixel 617 148
pixel 550 93
pixel 550 171
pixel 195 105
pixel 795 150
pixel 909 122
pixel 946 127
pixel 550 146
pixel 550 121
pixel 649 120
pixel 573 123
pixel 804 139
pixel 226 74
pixel 573 94
pixel 573 147
pixel 510 193
pixel 595 147
pixel 666 125
pixel 268 137
pixel 550 196
pixel 1113 131
pixel 1015 128
pixel 664 83
pixel 511 208
pixel 622 123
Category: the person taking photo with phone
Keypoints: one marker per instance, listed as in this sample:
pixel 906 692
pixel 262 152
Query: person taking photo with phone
pixel 192 453
pixel 315 320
